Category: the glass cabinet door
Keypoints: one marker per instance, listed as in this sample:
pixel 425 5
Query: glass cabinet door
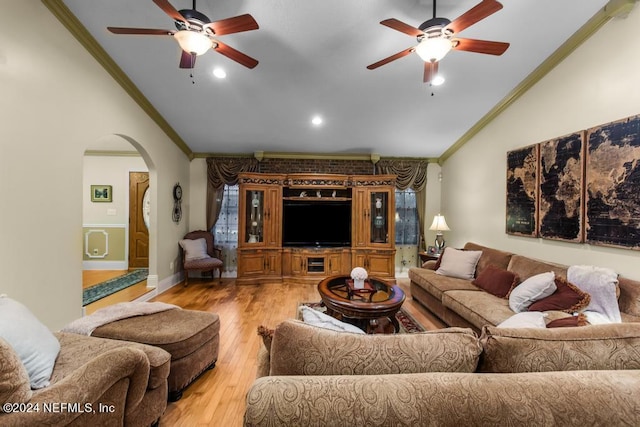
pixel 379 221
pixel 254 232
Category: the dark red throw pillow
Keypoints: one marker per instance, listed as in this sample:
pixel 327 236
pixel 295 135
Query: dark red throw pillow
pixel 496 281
pixel 567 322
pixel 568 298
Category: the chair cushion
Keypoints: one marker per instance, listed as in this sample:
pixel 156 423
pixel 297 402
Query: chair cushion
pixel 203 263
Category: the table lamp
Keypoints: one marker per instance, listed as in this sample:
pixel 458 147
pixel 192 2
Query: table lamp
pixel 439 225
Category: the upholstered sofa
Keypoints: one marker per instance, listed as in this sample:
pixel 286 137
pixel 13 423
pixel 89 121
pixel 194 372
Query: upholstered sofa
pixel 458 302
pixel 95 381
pixel 543 377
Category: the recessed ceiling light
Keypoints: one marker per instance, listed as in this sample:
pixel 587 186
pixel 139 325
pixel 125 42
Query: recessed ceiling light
pixel 219 73
pixel 316 120
pixel 437 80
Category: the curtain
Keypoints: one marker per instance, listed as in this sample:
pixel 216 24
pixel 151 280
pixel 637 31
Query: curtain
pixel 221 171
pixel 410 174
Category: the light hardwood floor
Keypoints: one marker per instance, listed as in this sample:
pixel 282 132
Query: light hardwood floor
pixel 217 398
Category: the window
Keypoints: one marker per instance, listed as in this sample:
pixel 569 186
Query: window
pixel 407 230
pixel 226 229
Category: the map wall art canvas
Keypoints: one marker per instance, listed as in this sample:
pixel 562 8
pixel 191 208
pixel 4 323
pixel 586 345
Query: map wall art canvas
pixel 522 191
pixel 561 172
pixel 613 184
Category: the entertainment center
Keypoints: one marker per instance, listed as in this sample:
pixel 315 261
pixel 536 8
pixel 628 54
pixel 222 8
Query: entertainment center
pixel 301 228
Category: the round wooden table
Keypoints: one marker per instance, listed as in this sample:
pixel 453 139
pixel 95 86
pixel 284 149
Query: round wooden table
pixel 362 307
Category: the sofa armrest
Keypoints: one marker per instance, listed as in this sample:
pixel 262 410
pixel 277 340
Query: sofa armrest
pixel 86 385
pixel 430 265
pixel 572 398
pixel 301 349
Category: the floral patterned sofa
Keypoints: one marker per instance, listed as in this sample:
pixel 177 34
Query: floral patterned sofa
pixel 544 377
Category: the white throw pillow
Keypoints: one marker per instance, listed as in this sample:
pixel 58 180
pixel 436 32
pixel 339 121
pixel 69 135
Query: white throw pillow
pixel 321 320
pixel 531 290
pixel 194 249
pixel 457 263
pixel 527 319
pixel 34 343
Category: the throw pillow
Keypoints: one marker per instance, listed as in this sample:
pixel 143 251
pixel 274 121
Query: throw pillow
pixel 496 281
pixel 194 249
pixel 531 290
pixel 601 283
pixel 571 321
pixel 34 343
pixel 316 318
pixel 267 336
pixel 532 319
pixel 458 263
pixel 567 297
pixel 14 380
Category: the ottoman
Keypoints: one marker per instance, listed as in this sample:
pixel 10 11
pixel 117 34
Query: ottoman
pixel 191 337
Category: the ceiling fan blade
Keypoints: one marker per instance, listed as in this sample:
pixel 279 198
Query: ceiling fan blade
pixel 237 24
pixel 187 60
pixel 480 46
pixel 170 10
pixel 430 71
pixel 402 27
pixel 236 55
pixel 473 15
pixel 391 58
pixel 140 31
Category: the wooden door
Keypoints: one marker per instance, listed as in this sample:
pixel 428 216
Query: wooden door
pixel 138 231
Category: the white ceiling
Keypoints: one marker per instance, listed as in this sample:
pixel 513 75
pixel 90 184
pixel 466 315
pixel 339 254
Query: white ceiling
pixel 313 57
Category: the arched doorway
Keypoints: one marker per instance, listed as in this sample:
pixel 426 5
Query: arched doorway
pixel 117 229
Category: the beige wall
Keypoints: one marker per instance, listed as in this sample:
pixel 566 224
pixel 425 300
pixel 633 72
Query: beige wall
pixel 598 83
pixel 57 101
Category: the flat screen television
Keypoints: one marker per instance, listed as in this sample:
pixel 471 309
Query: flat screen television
pixel 319 224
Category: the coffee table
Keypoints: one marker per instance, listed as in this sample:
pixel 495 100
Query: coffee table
pixel 364 308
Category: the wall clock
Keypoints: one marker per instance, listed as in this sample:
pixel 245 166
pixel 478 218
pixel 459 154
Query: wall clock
pixel 177 203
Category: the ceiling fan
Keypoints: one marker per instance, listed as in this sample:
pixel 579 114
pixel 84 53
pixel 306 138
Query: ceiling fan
pixel 437 36
pixel 196 34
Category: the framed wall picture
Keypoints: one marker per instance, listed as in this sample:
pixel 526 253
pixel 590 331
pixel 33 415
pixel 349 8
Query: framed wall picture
pixel 522 191
pixel 561 195
pixel 612 182
pixel 101 193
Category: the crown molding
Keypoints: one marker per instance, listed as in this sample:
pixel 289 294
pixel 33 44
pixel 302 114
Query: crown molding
pixel 75 27
pixel 614 8
pixel 261 155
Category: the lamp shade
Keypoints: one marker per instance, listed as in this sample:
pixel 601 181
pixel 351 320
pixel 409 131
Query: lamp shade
pixel 433 49
pixel 439 224
pixel 193 42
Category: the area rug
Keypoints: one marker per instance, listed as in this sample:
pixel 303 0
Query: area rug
pixel 111 286
pixel 408 325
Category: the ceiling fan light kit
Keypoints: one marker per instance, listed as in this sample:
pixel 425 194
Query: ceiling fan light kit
pixel 195 33
pixel 193 42
pixel 433 49
pixel 437 36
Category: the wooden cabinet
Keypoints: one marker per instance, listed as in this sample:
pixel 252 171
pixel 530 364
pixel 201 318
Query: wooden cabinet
pixel 379 263
pixel 262 255
pixel 259 223
pixel 309 265
pixel 373 213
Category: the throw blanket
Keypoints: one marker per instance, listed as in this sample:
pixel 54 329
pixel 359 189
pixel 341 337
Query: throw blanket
pixel 86 325
pixel 601 284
